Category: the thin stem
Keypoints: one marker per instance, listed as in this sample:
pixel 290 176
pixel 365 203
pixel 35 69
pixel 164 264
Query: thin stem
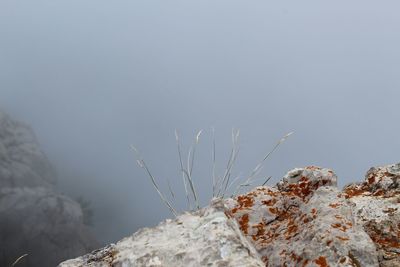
pixel 170 190
pixel 230 164
pixel 259 166
pixel 182 170
pixel 214 162
pixel 194 151
pixel 266 181
pixel 19 259
pixel 192 188
pixel 142 164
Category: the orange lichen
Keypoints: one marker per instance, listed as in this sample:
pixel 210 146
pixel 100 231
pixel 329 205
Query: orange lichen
pixel 335 205
pixel 313 211
pixel 280 218
pixel 295 258
pixel 371 179
pixel 342 238
pixel 291 229
pixel 273 210
pixel 390 210
pixel 269 202
pixel 244 223
pixel 284 220
pixel 244 202
pixel 267 191
pixel 304 187
pixel 260 231
pixel 386 241
pixel 321 261
pixel 313 168
pixel 339 226
pixel 265 260
pixel 353 192
pixel 228 214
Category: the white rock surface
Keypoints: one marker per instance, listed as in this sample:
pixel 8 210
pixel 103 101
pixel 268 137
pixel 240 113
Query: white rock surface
pixel 302 221
pixel 377 208
pixel 204 238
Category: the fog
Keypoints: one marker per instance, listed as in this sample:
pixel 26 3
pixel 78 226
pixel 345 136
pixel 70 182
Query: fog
pixel 94 77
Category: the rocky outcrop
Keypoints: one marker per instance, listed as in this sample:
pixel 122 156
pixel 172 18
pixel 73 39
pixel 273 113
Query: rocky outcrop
pixel 22 162
pixel 204 238
pixel 305 220
pixel 376 207
pixel 34 218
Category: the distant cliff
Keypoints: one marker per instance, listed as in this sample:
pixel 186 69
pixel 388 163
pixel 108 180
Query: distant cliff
pixel 305 220
pixel 34 218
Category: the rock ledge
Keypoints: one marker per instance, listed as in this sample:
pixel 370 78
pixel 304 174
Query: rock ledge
pixel 305 220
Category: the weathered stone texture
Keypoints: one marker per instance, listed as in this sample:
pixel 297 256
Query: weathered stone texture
pixel 376 204
pixel 305 220
pixel 204 238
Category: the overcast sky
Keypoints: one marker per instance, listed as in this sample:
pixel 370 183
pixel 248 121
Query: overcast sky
pixel 93 77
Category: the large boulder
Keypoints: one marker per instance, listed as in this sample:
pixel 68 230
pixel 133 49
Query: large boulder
pixel 305 220
pixel 43 224
pixel 376 207
pixel 34 218
pixel 204 238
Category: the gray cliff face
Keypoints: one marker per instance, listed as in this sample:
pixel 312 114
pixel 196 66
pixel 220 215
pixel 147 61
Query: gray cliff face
pixel 22 162
pixel 34 218
pixel 305 220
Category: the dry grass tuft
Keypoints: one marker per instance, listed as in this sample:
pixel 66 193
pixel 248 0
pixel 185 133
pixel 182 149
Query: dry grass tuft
pixel 220 185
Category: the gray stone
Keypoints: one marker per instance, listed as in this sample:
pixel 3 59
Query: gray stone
pixel 34 218
pixel 38 221
pixel 305 220
pixel 204 238
pixel 376 203
pixel 22 162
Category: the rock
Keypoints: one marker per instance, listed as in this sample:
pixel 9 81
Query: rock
pixel 204 238
pixel 34 218
pixel 305 220
pixel 37 221
pixel 377 208
pixel 22 162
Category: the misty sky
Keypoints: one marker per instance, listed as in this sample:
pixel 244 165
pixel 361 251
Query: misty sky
pixel 93 77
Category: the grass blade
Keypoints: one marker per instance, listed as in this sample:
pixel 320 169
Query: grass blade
pixel 213 161
pixel 182 168
pixel 142 164
pixel 257 169
pixel 19 259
